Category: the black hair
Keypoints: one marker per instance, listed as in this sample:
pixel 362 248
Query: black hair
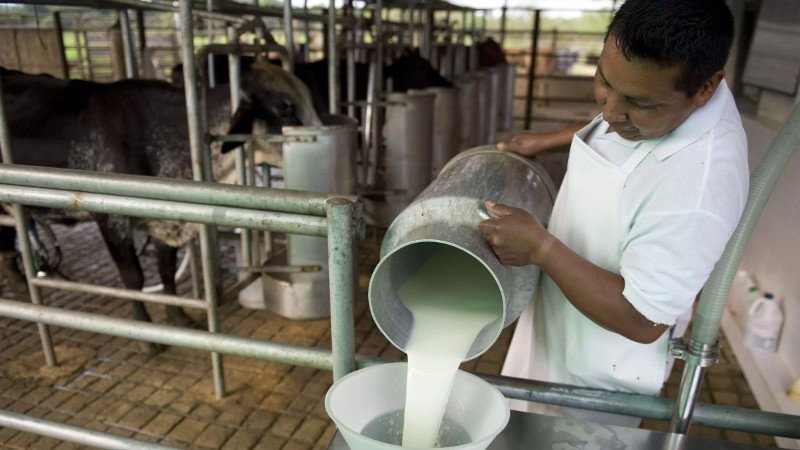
pixel 694 35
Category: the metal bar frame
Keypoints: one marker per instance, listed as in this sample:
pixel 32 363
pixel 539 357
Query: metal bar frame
pixel 532 69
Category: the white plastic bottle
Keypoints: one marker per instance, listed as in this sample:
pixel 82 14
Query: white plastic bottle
pixel 744 302
pixel 763 324
pixel 743 292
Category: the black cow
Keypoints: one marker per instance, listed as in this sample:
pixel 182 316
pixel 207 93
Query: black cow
pixel 129 127
pixel 409 71
pixel 490 53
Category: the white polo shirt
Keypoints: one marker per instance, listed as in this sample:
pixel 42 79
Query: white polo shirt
pixel 679 206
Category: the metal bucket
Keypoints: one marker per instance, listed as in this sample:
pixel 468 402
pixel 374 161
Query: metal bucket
pixel 468 112
pixel 445 127
pixel 408 134
pixel 447 213
pixel 327 165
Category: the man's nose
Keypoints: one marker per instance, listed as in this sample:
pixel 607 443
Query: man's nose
pixel 615 109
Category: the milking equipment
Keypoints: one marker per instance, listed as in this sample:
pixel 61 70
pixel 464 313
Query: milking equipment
pixel 408 134
pixel 446 126
pixel 318 159
pixel 506 105
pixel 469 111
pixel 447 213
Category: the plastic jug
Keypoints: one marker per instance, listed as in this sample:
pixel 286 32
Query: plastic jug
pixel 763 324
pixel 744 291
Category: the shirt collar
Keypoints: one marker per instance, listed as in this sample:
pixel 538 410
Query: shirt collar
pixel 697 124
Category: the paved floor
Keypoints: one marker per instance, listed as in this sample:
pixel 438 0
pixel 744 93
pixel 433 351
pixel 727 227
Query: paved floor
pixel 107 384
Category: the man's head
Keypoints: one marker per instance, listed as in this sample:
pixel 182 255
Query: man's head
pixel 661 60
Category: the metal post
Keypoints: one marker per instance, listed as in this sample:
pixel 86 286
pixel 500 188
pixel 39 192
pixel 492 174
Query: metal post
pixel 463 34
pixel 333 61
pixel 288 31
pixel 697 360
pixel 427 33
pixel 351 73
pixel 212 74
pixel 503 26
pixel 22 236
pixel 127 44
pixel 60 43
pixel 377 116
pixel 532 70
pixel 198 171
pixel 234 75
pixel 307 31
pixel 342 284
pixel 140 28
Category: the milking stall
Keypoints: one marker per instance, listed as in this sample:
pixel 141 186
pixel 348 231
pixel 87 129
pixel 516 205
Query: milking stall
pixel 234 224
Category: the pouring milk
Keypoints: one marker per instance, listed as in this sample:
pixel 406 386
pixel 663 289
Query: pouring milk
pixel 452 298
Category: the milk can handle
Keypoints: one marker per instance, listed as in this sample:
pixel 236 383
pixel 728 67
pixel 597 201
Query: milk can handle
pixel 482 212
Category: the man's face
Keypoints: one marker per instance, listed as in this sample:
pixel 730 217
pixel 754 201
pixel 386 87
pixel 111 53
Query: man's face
pixel 638 97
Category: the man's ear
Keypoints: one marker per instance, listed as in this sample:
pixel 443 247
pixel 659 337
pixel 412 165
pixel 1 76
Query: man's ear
pixel 708 88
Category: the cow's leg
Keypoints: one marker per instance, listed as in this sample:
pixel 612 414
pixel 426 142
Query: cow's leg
pixel 118 235
pixel 167 263
pixel 9 270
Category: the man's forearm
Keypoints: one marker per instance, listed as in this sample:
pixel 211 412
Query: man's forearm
pixel 597 293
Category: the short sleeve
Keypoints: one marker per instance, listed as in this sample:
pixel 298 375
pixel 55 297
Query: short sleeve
pixel 667 259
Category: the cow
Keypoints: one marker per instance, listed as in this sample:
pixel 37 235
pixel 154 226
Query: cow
pixel 409 71
pixel 490 53
pixel 132 127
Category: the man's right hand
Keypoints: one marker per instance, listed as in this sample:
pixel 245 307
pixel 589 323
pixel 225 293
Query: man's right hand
pixel 526 143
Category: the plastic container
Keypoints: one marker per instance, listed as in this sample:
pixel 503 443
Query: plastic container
pixel 744 291
pixel 763 324
pixel 794 391
pixel 369 399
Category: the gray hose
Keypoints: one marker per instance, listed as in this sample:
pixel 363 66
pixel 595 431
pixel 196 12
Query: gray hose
pixel 715 292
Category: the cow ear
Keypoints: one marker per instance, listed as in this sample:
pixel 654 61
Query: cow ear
pixel 241 123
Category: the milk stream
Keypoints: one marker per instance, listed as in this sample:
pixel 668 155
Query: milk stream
pixel 452 297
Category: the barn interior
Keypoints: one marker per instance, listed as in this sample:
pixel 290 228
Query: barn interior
pixel 315 141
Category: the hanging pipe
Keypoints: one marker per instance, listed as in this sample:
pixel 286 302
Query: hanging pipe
pixel 703 342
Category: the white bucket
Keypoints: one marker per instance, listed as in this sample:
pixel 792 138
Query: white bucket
pixel 367 407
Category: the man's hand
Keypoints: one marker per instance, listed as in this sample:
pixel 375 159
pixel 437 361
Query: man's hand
pixel 526 143
pixel 516 237
pixel 529 143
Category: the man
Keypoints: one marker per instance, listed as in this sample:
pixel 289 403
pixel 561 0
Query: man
pixel 654 188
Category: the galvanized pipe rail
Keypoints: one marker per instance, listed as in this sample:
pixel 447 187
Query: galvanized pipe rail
pixel 741 419
pixel 74 434
pixel 185 191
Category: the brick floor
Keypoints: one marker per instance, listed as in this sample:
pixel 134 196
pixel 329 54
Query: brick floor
pixel 168 398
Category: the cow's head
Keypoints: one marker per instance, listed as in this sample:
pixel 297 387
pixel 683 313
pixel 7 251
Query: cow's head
pixel 412 71
pixel 274 97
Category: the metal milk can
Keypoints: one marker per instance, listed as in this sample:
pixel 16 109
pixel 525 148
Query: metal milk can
pixel 447 212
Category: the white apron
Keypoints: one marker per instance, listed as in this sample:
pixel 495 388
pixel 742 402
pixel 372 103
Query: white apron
pixel 554 341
